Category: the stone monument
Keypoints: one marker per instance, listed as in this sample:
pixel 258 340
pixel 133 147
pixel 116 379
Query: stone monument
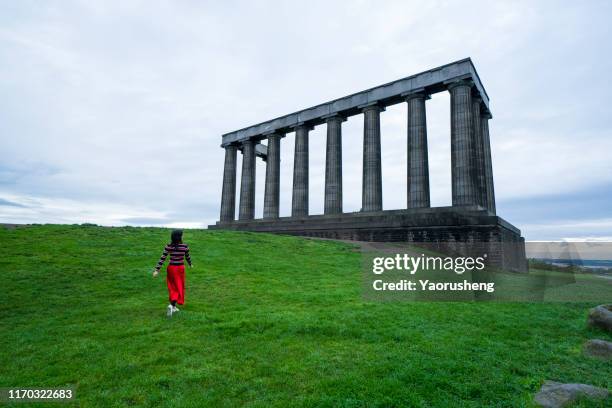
pixel 469 226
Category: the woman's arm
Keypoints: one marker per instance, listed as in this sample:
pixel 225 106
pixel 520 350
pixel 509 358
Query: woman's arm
pixel 187 256
pixel 164 255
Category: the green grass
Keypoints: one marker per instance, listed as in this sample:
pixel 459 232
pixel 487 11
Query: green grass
pixel 269 321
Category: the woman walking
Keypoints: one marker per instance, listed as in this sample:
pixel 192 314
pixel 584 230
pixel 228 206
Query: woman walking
pixel 175 273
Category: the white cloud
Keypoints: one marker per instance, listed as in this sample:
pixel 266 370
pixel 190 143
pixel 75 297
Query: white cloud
pixel 60 211
pixel 532 163
pixel 114 111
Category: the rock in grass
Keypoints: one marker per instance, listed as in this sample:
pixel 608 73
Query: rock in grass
pixel 601 316
pixel 559 395
pixel 598 348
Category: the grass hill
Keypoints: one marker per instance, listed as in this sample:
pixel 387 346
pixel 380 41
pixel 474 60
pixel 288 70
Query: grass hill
pixel 269 321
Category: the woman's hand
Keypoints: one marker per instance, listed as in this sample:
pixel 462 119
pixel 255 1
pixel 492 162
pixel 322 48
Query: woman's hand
pixel 155 273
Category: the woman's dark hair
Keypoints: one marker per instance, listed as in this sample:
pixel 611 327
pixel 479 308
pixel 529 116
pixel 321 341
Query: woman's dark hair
pixel 176 237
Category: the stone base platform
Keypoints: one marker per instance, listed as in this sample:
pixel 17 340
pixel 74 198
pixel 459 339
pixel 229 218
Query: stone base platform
pixel 466 231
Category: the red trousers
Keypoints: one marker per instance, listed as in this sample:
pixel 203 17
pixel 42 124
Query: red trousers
pixel 175 279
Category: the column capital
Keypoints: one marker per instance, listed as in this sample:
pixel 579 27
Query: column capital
pixel 304 125
pixel 371 106
pixel 486 115
pixel 334 116
pixel 416 95
pixel 457 83
pixel 244 142
pixel 270 133
pixel 275 135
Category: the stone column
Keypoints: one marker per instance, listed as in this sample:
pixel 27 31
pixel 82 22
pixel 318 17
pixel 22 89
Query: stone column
pixel 463 166
pixel 488 163
pixel 247 182
pixel 228 194
pixel 371 192
pixel 481 192
pixel 299 203
pixel 418 166
pixel 272 189
pixel 333 166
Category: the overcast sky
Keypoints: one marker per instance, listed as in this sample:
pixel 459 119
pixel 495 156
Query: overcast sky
pixel 112 111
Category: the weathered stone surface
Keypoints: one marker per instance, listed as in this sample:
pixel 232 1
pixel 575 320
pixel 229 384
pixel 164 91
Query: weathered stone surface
pixel 247 182
pixel 418 162
pixel 371 193
pixel 272 188
pixel 462 228
pixel 598 348
pixel 299 202
pixel 228 195
pixel 333 166
pixel 463 156
pixel 479 160
pixel 559 395
pixel 385 95
pixel 470 220
pixel 601 317
pixel 489 185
